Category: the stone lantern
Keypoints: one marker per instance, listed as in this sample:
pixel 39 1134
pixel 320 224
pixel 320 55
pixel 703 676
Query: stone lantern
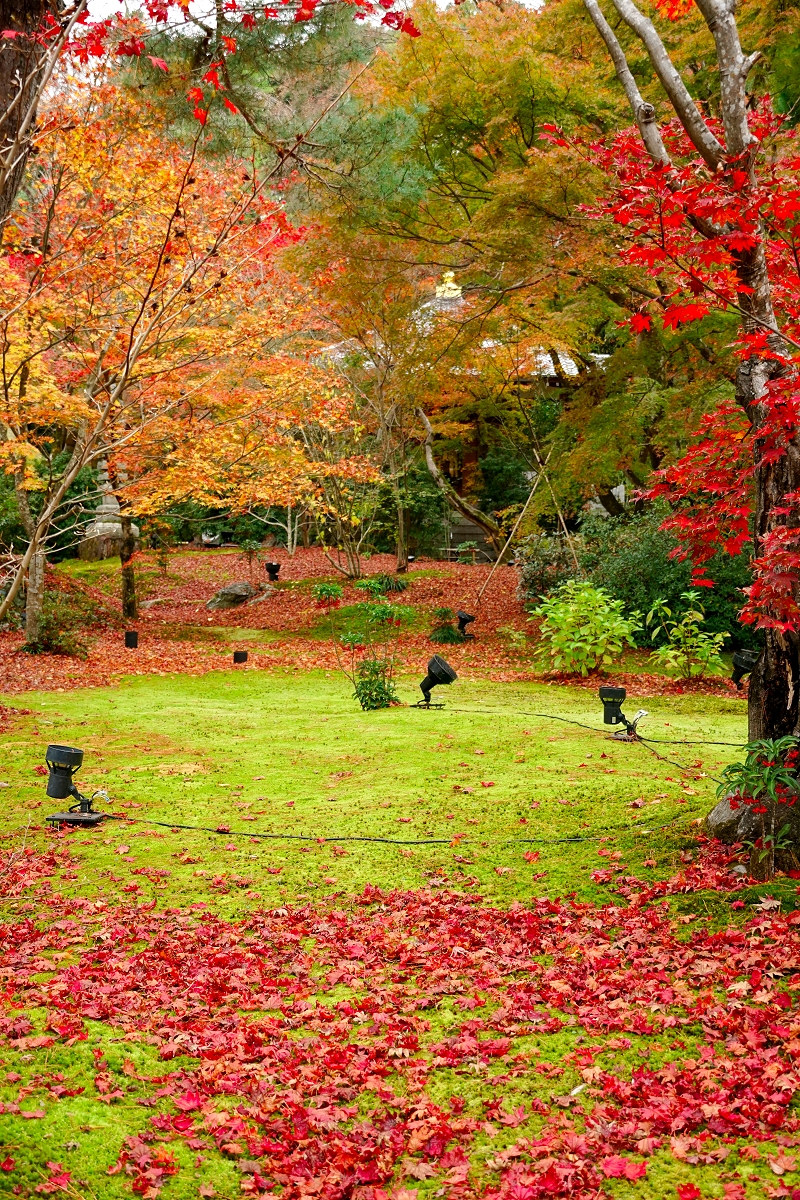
pixel 103 537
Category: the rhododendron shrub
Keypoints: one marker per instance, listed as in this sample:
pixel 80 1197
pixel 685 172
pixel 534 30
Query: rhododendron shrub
pixel 709 208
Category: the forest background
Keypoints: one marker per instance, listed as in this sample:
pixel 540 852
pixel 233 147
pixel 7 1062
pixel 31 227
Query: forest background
pixel 267 268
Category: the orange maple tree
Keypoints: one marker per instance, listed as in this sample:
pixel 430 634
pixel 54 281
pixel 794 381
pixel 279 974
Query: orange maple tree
pixel 127 271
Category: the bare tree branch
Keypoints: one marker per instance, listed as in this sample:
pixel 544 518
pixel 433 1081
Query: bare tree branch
pixel 685 108
pixel 643 114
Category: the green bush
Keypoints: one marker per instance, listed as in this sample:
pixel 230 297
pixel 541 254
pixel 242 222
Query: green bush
pixel 687 650
pixel 393 583
pixel 327 595
pixel 582 627
pixel 372 586
pixel 629 558
pixel 544 562
pixel 62 625
pixel 374 687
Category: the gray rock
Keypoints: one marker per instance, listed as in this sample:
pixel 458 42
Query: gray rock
pixel 266 592
pixel 730 825
pixel 232 595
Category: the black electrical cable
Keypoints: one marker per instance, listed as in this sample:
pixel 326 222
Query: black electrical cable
pixel 302 837
pixel 673 762
pixel 593 728
pixel 444 841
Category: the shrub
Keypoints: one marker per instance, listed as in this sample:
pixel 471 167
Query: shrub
pixel 370 648
pixel 515 640
pixel 544 563
pixel 393 583
pixel 62 625
pixel 629 557
pixel 373 586
pixel 687 650
pixel 444 631
pixel 766 782
pixel 327 595
pixel 582 627
pixel 373 685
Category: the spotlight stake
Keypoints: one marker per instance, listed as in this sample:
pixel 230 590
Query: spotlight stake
pixel 439 672
pixel 744 662
pixel 464 619
pixel 64 762
pixel 613 698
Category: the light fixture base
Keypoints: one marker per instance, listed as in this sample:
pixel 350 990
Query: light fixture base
pixel 86 820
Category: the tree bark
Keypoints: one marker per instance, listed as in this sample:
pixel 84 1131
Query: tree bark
pixel 33 597
pixel 26 67
pixel 487 523
pixel 402 539
pixel 127 550
pixel 19 59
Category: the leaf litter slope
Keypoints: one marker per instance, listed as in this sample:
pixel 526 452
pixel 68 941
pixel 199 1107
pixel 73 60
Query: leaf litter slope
pixel 284 630
pixel 412 1040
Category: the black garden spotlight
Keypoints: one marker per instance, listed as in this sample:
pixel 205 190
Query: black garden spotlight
pixel 439 672
pixel 64 762
pixel 744 662
pixel 613 698
pixel 272 569
pixel 464 619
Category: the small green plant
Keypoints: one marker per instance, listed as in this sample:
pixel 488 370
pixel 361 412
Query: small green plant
pixel 62 625
pixel 327 595
pixel 583 628
pixel 765 782
pixel 373 586
pixel 467 551
pixel 372 649
pixel 393 583
pixel 687 650
pixel 374 687
pixel 249 548
pixel 513 639
pixel 443 630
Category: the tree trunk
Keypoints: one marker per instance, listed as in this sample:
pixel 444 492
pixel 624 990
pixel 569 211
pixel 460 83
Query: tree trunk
pixel 402 537
pixel 774 698
pixel 482 519
pixel 126 552
pixel 292 528
pixel 34 596
pixel 773 708
pixel 20 68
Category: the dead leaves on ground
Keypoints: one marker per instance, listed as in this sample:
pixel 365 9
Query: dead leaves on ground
pixel 318 1095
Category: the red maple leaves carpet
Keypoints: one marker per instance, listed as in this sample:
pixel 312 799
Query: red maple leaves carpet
pixel 307 1043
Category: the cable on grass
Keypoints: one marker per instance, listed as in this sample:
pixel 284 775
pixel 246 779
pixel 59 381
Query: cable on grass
pixel 310 837
pixel 593 728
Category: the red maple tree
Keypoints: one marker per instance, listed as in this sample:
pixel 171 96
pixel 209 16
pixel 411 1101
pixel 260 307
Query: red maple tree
pixel 710 208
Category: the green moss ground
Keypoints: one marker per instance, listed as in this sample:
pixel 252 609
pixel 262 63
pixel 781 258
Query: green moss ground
pixel 295 753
